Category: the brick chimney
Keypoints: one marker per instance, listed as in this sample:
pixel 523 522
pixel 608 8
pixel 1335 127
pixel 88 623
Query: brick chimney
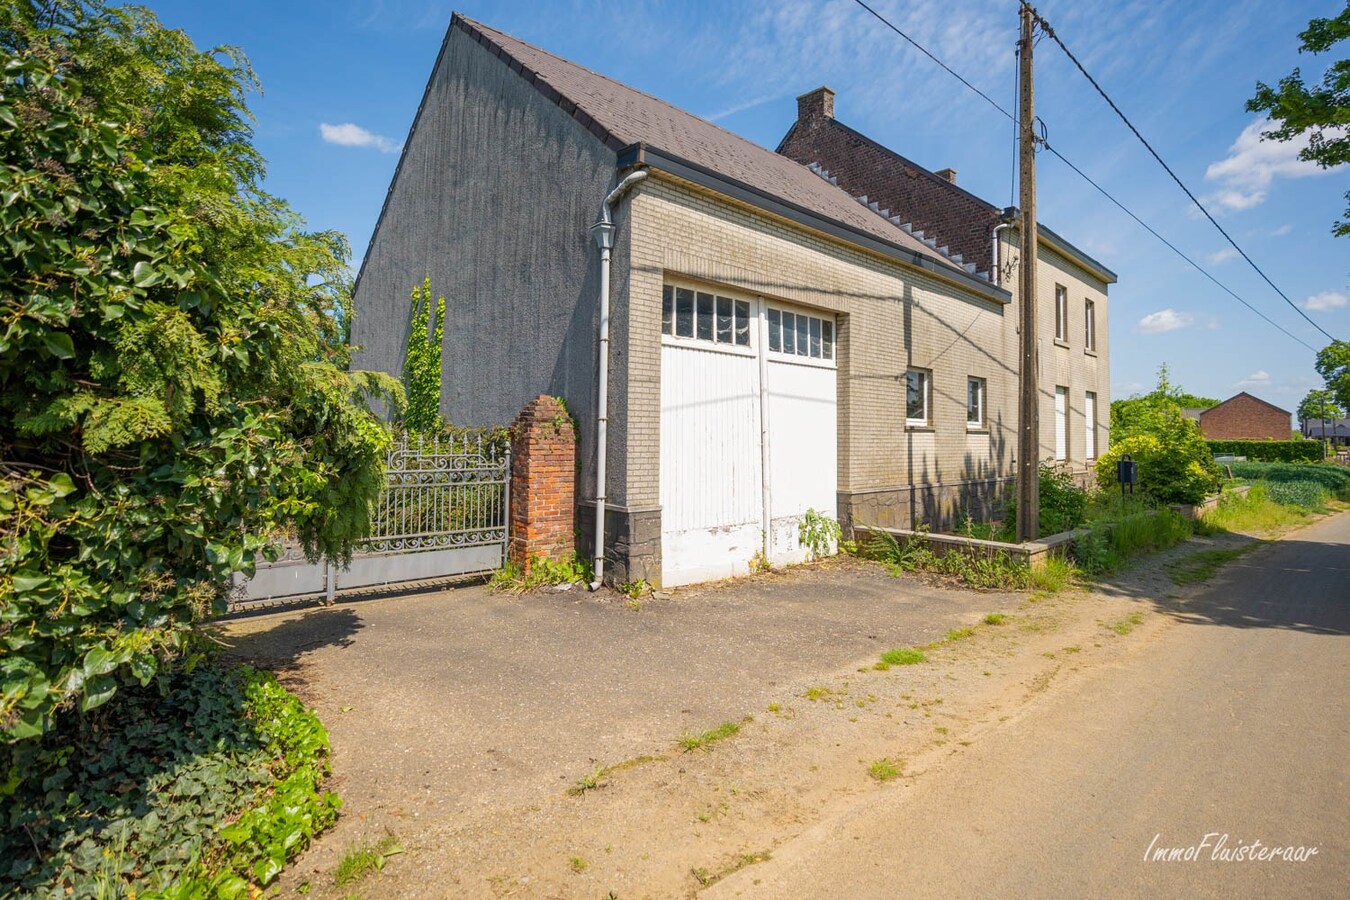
pixel 946 175
pixel 815 105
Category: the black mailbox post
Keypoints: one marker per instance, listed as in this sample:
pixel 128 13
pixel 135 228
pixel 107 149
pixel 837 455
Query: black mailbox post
pixel 1127 472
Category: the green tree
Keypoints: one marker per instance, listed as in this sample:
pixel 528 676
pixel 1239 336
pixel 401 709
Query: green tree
pixel 173 386
pixel 1319 404
pixel 1141 413
pixel 1333 364
pixel 1322 110
pixel 423 361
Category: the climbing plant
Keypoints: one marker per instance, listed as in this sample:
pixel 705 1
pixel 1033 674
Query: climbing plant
pixel 422 366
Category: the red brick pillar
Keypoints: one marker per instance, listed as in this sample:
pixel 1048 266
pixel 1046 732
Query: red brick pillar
pixel 543 477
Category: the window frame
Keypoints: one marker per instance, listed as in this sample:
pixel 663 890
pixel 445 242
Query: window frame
pixel 1061 314
pixel 927 393
pixel 981 423
pixel 1089 325
pixel 1090 425
pixel 670 317
pixel 811 325
pixel 1061 424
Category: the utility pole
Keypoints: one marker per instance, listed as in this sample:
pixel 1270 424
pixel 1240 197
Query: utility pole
pixel 1029 410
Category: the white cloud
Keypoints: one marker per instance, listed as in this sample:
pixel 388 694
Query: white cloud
pixel 352 135
pixel 1222 256
pixel 1164 320
pixel 1259 378
pixel 741 107
pixel 1282 231
pixel 1252 164
pixel 1326 301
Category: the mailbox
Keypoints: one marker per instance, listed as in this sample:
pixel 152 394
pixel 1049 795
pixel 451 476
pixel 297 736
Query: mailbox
pixel 1127 470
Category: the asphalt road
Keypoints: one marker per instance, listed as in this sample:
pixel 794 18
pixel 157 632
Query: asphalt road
pixel 1230 727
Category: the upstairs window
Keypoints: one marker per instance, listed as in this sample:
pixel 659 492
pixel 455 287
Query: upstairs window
pixel 797 334
pixel 702 316
pixel 1061 313
pixel 1089 325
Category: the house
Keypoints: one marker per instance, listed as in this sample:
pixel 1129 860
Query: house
pixel 767 342
pixel 1243 417
pixel 1336 431
pixel 1072 286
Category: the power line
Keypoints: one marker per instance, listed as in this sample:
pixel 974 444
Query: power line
pixel 883 20
pixel 1045 26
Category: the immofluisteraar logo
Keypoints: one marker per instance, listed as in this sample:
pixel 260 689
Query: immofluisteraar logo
pixel 1215 847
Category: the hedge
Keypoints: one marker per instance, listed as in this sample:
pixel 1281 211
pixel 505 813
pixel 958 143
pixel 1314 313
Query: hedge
pixel 1269 451
pixel 1336 479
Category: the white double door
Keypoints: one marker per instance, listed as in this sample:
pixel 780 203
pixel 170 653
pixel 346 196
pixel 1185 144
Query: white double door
pixel 729 415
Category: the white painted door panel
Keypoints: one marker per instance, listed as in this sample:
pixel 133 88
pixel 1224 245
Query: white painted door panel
pixel 711 492
pixel 803 453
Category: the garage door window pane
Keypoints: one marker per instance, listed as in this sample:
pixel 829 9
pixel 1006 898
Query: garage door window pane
pixel 684 312
pixel 742 323
pixel 705 317
pixel 775 330
pixel 789 333
pixel 826 340
pixel 724 320
pixel 815 338
pixel 803 336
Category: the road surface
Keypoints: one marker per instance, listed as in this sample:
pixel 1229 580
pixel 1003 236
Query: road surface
pixel 1229 728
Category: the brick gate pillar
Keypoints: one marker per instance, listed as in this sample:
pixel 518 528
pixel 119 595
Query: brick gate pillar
pixel 543 478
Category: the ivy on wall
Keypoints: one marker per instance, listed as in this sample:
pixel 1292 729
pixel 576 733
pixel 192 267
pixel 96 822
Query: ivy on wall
pixel 423 361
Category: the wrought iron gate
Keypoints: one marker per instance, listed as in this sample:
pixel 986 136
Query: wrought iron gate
pixel 443 513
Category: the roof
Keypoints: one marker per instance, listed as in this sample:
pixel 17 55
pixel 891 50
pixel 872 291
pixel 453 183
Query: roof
pixel 1239 396
pixel 923 199
pixel 621 117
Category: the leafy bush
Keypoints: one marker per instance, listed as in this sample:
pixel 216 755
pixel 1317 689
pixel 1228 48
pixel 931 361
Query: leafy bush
pixel 1269 451
pixel 1334 478
pixel 422 367
pixel 818 534
pixel 201 784
pixel 1063 504
pixel 173 384
pixel 1175 464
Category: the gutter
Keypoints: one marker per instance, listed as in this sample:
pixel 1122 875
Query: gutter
pixel 604 231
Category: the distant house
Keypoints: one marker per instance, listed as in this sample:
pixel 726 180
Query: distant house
pixel 775 342
pixel 1337 431
pixel 1243 418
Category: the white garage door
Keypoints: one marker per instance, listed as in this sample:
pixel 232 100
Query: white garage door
pixel 718 510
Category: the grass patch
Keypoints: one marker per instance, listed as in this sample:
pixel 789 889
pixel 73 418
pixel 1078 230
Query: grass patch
pixel 1255 513
pixel 1199 567
pixel 692 741
pixel 1111 543
pixel 884 770
pixel 1127 624
pixel 902 656
pixel 958 634
pixel 577 864
pixel 589 782
pixel 997 571
pixel 775 707
pixel 707 877
pixel 363 858
pixel 817 694
pixel 995 618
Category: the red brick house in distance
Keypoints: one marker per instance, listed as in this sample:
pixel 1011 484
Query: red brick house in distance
pixel 1243 418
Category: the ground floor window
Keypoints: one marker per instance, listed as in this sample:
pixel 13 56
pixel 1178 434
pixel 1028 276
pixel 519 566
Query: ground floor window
pixel 1061 423
pixel 1090 425
pixel 918 383
pixel 975 389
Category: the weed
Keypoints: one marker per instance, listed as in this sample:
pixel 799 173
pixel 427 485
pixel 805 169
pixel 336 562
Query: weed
pixel 995 618
pixel 818 534
pixel 364 858
pixel 816 694
pixel 542 571
pixel 635 589
pixel 958 634
pixel 774 707
pixel 902 656
pixel 690 741
pixel 885 769
pixel 589 782
pixel 577 864
pixel 1126 625
pixel 1074 649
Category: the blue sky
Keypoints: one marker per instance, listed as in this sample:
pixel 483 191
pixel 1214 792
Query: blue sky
pixel 1181 70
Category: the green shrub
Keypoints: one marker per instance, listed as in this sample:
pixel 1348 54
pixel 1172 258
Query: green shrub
pixel 201 784
pixel 1063 504
pixel 174 392
pixel 1269 451
pixel 1175 464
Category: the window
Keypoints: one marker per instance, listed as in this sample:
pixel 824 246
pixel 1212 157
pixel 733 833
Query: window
pixel 974 402
pixel 1061 423
pixel 1090 424
pixel 1061 313
pixel 917 389
pixel 797 334
pixel 702 316
pixel 1089 325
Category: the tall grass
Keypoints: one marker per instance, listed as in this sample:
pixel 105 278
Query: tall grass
pixel 997 571
pixel 1111 543
pixel 1254 513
